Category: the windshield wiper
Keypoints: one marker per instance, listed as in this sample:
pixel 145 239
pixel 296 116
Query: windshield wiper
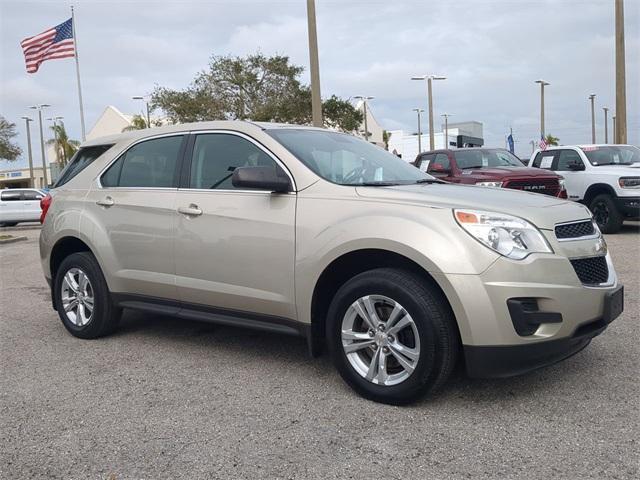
pixel 376 184
pixel 429 180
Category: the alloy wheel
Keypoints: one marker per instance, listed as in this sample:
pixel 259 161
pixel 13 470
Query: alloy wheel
pixel 77 297
pixel 601 213
pixel 380 340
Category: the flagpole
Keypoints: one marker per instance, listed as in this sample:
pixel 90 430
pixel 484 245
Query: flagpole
pixel 75 41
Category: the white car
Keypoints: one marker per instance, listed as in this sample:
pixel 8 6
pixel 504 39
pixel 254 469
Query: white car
pixel 606 178
pixel 20 205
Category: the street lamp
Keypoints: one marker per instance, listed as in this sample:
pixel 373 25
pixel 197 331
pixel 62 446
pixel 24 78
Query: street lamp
pixel 446 129
pixel 593 118
pixel 429 79
pixel 542 85
pixel 28 120
pixel 419 112
pixel 39 108
pixel 55 138
pixel 615 130
pixel 606 126
pixel 146 106
pixel 364 110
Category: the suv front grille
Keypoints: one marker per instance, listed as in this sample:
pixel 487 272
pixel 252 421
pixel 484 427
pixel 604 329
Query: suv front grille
pixel 592 270
pixel 575 230
pixel 548 186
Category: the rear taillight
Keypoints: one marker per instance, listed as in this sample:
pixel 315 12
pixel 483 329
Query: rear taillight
pixel 45 203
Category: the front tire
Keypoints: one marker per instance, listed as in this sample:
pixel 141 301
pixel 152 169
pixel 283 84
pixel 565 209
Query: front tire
pixel 606 214
pixel 392 335
pixel 82 298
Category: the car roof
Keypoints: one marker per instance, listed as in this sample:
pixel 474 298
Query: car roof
pixel 236 125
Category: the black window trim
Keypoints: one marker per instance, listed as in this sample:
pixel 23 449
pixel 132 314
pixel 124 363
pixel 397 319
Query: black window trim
pixel 185 171
pixel 176 173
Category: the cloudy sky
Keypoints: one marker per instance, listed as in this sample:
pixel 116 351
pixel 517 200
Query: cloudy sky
pixel 490 50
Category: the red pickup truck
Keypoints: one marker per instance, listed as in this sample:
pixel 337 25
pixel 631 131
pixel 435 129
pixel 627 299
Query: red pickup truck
pixel 489 167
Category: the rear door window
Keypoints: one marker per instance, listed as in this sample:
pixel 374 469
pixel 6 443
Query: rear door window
pixel 81 160
pixel 149 164
pixel 544 160
pixel 11 195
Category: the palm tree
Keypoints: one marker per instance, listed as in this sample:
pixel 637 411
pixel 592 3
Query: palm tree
pixel 138 122
pixel 64 147
pixel 551 140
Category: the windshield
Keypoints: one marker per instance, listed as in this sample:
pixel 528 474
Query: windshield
pixel 486 158
pixel 612 155
pixel 347 160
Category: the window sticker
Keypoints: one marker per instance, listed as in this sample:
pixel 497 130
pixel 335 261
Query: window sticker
pixel 424 165
pixel 546 161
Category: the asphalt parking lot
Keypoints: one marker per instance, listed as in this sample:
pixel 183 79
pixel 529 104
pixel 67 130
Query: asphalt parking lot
pixel 167 398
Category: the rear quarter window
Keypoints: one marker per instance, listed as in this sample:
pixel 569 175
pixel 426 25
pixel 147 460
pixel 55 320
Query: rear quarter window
pixel 81 160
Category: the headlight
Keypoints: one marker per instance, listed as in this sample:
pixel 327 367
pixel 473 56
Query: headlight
pixel 629 182
pixel 489 184
pixel 510 236
pixel 561 181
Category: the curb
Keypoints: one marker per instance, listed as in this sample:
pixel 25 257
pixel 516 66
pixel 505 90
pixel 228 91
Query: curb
pixel 12 240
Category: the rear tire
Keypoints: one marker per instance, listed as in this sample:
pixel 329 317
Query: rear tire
pixel 605 213
pixel 428 336
pixel 82 298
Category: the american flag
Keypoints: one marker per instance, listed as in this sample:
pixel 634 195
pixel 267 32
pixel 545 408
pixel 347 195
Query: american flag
pixel 542 144
pixel 56 42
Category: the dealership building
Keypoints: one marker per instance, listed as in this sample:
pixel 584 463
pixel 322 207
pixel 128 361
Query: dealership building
pixel 461 134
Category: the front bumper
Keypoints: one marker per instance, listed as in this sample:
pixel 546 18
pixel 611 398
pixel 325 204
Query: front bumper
pixel 628 206
pixel 509 360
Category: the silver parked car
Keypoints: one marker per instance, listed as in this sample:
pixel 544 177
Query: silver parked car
pixel 20 205
pixel 316 233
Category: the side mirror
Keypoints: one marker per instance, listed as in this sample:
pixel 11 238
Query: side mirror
pixel 575 166
pixel 261 178
pixel 438 168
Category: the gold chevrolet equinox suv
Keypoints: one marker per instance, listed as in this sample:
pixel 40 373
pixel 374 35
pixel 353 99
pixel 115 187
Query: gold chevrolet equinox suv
pixel 316 233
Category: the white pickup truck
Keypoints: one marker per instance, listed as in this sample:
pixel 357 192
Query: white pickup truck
pixel 606 178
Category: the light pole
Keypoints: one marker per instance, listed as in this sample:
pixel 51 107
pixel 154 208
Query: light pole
pixel 57 146
pixel 621 89
pixel 615 129
pixel 316 100
pixel 606 127
pixel 364 112
pixel 419 112
pixel 146 104
pixel 446 130
pixel 39 108
pixel 429 79
pixel 593 118
pixel 28 120
pixel 542 85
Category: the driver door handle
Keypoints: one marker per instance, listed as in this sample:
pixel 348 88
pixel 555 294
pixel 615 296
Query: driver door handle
pixel 106 202
pixel 192 210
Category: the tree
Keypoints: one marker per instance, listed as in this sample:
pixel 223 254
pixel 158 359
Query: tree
pixel 551 140
pixel 8 150
pixel 138 122
pixel 64 147
pixel 386 136
pixel 255 87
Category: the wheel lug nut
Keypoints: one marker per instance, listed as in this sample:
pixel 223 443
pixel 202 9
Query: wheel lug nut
pixel 390 338
pixel 371 334
pixel 381 327
pixel 385 349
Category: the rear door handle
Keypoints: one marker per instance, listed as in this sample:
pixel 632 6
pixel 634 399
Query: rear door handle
pixel 106 202
pixel 192 210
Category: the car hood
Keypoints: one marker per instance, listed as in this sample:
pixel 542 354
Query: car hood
pixel 620 170
pixel 543 211
pixel 508 172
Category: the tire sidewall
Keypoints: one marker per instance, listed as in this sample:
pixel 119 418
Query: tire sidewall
pixel 87 263
pixel 614 219
pixel 427 367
